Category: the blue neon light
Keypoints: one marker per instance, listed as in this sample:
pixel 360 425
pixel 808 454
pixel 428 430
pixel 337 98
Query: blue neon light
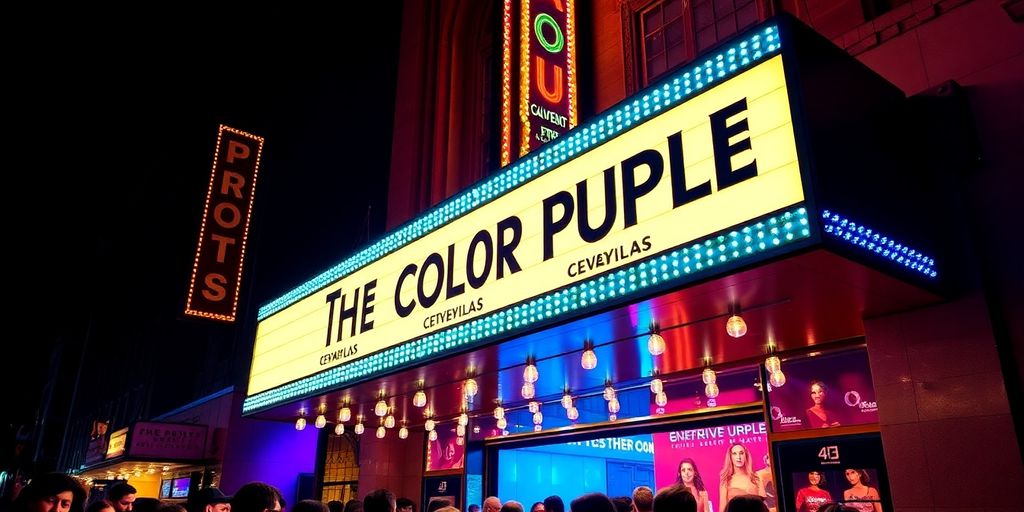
pixel 870 240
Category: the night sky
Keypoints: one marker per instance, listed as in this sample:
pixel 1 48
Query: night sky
pixel 112 124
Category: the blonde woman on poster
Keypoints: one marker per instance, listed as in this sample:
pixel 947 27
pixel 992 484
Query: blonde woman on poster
pixel 737 477
pixel 689 476
pixel 860 496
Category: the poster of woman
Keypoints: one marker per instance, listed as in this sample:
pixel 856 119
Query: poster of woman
pixel 824 392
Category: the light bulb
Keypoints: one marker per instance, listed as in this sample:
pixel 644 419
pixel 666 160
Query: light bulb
pixel 389 422
pixel 300 423
pixel 359 429
pixel 381 432
pixel 419 399
pixel 429 425
pixel 538 418
pixel 470 388
pixel 657 386
pixel 530 373
pixel 656 344
pixel 613 417
pixel 460 441
pixel 534 406
pixel 381 408
pixel 528 391
pixel 321 421
pixel 463 419
pixel 566 400
pixel 735 326
pixel 460 430
pixel 501 423
pixel 711 390
pixel 609 392
pixel 476 429
pixel 661 399
pixel 573 413
pixel 432 435
pixel 709 376
pixel 589 359
pixel 537 428
pixel 403 432
pixel 777 379
pixel 499 412
pixel 772 364
pixel 344 414
pixel 613 405
pixel 339 429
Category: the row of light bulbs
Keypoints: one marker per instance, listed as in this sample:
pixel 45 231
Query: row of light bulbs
pixel 735 327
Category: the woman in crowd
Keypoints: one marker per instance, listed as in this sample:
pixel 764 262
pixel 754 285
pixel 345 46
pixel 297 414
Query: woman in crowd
pixel 52 492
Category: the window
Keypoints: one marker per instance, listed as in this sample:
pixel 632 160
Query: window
pixel 673 32
pixel 341 471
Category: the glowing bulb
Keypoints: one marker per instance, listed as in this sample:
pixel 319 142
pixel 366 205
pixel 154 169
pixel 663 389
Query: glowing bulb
pixel 566 400
pixel 656 344
pixel 403 432
pixel 300 423
pixel 460 430
pixel 359 429
pixel 534 406
pixel 711 390
pixel 777 379
pixel 530 373
pixel 460 441
pixel 613 405
pixel 589 359
pixel 381 408
pixel 463 419
pixel 432 435
pixel 381 432
pixel 470 388
pixel 772 364
pixel 657 386
pixel 501 423
pixel 613 417
pixel 321 421
pixel 528 391
pixel 389 422
pixel 537 428
pixel 709 376
pixel 661 399
pixel 609 391
pixel 429 425
pixel 735 326
pixel 573 413
pixel 339 429
pixel 499 412
pixel 344 414
pixel 419 399
pixel 538 418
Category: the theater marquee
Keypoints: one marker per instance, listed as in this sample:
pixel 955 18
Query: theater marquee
pixel 702 166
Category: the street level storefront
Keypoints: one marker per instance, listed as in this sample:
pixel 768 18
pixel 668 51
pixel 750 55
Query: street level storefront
pixel 673 290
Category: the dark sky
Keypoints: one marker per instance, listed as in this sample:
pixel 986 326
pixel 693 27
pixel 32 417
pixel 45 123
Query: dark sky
pixel 112 118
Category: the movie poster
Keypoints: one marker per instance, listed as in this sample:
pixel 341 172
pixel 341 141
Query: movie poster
pixel 840 469
pixel 735 387
pixel 717 461
pixel 824 392
pixel 447 452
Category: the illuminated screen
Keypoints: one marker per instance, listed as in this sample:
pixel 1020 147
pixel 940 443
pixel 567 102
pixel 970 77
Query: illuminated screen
pixel 696 453
pixel 165 488
pixel 179 487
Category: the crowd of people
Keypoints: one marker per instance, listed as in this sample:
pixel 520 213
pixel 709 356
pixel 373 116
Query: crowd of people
pixel 57 492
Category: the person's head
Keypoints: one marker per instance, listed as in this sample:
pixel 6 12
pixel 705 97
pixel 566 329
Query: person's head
pixel 447 508
pixel 836 507
pixel 145 505
pixel 643 499
pixel 171 507
pixel 554 503
pixel 857 476
pixel 381 500
pixel 309 506
pixel 746 503
pixel 690 475
pixel 404 504
pixel 816 478
pixel 52 492
pixel 512 506
pixel 257 497
pixel 100 506
pixel 353 506
pixel 473 508
pixel 335 506
pixel 492 504
pixel 122 496
pixel 210 499
pixel 592 502
pixel 737 460
pixel 818 391
pixel 437 504
pixel 537 507
pixel 675 498
pixel 623 504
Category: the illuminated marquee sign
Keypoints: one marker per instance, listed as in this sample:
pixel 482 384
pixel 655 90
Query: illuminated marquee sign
pixel 546 70
pixel 599 225
pixel 220 254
